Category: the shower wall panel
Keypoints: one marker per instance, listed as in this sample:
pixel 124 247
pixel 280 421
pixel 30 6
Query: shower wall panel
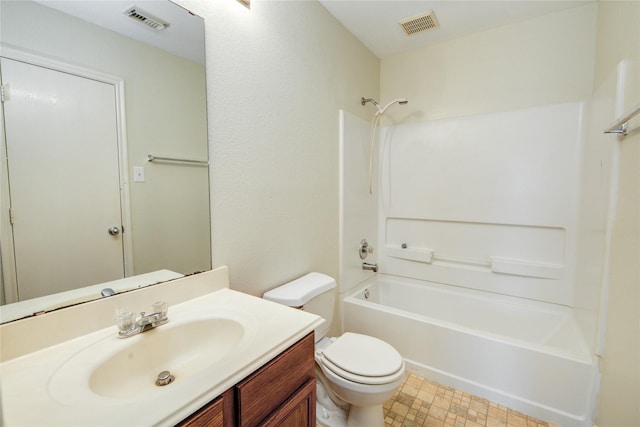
pixel 358 208
pixel 486 201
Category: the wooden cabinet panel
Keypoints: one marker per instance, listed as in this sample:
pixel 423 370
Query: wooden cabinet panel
pixel 267 389
pixel 298 411
pixel 218 413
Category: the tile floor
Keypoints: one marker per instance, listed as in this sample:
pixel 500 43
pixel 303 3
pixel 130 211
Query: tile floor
pixel 423 403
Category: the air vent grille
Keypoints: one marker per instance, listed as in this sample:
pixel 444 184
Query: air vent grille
pixel 146 18
pixel 417 24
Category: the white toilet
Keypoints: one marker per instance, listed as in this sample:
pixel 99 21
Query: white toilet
pixel 357 369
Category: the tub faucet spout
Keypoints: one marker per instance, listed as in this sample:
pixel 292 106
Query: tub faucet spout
pixel 372 267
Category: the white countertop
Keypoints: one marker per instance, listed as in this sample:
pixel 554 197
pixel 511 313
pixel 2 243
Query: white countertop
pixel 31 397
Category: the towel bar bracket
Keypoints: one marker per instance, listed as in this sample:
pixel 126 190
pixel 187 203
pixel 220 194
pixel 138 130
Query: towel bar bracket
pixel 622 124
pixel 622 129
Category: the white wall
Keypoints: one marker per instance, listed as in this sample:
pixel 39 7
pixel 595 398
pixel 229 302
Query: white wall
pixel 277 75
pixel 619 42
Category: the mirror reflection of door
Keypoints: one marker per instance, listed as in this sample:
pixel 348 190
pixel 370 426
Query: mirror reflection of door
pixel 62 214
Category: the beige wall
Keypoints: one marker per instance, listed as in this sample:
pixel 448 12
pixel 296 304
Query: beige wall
pixel 277 75
pixel 165 115
pixel 540 61
pixel 619 400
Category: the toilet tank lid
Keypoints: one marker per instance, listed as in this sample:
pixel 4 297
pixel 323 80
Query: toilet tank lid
pixel 298 292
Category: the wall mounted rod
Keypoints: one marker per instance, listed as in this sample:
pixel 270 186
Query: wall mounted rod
pixel 151 158
pixel 620 126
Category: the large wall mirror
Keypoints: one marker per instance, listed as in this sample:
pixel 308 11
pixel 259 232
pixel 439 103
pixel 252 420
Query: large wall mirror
pixel 91 89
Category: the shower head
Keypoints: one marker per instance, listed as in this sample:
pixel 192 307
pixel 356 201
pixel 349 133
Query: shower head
pixel 400 101
pixel 381 110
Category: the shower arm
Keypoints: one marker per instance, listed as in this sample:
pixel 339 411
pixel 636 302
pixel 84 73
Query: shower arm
pixel 364 100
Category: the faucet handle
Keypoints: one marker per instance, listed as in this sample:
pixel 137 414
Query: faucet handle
pixel 125 320
pixel 161 307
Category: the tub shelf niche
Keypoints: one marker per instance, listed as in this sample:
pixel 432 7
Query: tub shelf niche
pixel 520 267
pixel 414 254
pixel 495 264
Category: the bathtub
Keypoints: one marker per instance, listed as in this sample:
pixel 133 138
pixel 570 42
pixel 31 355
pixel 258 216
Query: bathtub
pixel 527 355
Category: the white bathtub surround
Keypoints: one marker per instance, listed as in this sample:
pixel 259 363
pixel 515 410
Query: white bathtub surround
pixel 483 211
pixel 488 202
pixel 524 354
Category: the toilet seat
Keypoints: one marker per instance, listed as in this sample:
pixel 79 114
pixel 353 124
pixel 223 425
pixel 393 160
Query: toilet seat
pixel 363 359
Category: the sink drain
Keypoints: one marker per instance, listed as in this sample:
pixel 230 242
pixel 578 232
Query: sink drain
pixel 164 378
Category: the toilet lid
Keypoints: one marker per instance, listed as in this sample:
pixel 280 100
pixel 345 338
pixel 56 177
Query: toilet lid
pixel 363 356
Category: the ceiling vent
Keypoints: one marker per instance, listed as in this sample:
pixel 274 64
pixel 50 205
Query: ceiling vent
pixel 420 23
pixel 145 18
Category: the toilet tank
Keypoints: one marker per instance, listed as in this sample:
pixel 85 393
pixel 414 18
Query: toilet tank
pixel 313 292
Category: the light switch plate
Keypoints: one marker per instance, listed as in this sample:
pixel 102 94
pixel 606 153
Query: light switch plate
pixel 138 174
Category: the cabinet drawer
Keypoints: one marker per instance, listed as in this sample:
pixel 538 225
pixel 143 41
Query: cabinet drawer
pixel 266 389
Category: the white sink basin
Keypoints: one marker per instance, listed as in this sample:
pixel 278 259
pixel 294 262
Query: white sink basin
pixel 210 343
pixel 125 368
pixel 183 350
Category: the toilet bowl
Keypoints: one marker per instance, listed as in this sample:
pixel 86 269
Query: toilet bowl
pixel 362 371
pixel 359 370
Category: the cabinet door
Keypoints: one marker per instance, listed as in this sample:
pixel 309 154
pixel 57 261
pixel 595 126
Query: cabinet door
pixel 298 411
pixel 265 391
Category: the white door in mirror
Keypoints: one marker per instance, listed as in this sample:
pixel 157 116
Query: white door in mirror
pixel 63 212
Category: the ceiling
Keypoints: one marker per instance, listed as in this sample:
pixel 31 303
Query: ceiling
pixel 183 37
pixel 375 22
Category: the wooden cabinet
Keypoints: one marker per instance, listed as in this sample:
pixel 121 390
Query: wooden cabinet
pixel 264 393
pixel 282 393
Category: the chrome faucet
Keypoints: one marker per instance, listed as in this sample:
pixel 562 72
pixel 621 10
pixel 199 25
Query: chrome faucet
pixel 372 267
pixel 128 326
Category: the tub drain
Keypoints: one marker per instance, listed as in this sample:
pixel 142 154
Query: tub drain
pixel 164 378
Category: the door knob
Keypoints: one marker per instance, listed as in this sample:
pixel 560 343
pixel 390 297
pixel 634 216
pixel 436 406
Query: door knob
pixel 114 231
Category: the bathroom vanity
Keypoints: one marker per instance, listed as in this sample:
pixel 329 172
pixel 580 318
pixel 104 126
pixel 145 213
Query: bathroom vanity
pixel 237 360
pixel 281 393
